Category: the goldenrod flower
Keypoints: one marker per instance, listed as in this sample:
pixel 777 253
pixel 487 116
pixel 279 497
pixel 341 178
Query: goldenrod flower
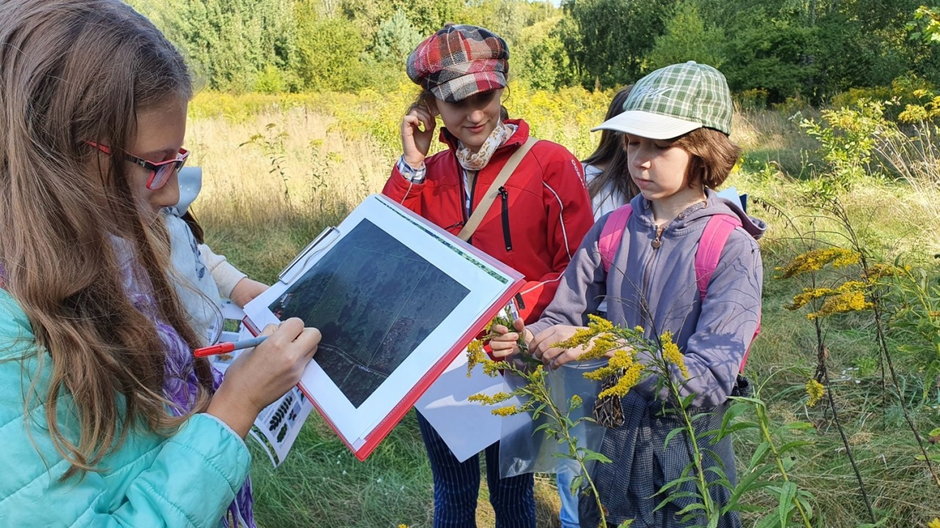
pixel 934 523
pixel 815 391
pixel 576 401
pixel 579 338
pixel 672 354
pixel 600 346
pixel 492 368
pixel 475 355
pixel 599 324
pixel 489 399
pixel 815 260
pixel 627 381
pixel 802 299
pixel 852 301
pixel 601 373
pixel 506 411
pixel 810 294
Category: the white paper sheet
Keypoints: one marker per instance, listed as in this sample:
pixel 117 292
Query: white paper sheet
pixel 466 427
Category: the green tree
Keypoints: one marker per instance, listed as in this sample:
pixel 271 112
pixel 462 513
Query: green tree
pixel 686 37
pixel 229 42
pixel 608 40
pixel 395 39
pixel 329 52
pixel 539 57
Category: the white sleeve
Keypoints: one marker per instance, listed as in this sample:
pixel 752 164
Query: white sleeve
pixel 225 275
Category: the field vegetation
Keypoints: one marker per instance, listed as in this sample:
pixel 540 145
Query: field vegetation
pixel 838 106
pixel 278 169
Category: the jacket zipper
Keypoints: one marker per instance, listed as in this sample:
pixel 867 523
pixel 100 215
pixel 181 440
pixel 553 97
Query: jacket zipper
pixel 656 243
pixel 504 198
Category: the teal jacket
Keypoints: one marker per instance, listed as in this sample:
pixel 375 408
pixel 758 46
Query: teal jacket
pixel 188 479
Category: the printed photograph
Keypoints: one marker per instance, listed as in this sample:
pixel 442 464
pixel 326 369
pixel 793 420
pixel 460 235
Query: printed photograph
pixel 374 300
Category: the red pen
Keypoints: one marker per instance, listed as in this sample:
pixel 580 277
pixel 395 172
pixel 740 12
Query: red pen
pixel 224 348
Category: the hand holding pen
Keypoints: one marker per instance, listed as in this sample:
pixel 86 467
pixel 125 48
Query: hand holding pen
pixel 264 373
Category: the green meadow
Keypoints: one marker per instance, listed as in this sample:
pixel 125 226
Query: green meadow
pixel 280 168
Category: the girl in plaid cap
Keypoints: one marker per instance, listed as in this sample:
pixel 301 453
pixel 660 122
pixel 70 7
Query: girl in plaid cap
pixel 537 221
pixel 675 123
pixel 107 419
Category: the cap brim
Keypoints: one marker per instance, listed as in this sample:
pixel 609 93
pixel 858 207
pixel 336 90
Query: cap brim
pixel 648 125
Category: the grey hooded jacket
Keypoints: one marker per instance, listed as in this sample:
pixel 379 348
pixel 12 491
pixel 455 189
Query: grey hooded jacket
pixel 652 283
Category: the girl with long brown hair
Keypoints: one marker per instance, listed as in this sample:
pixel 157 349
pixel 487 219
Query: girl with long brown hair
pixel 105 417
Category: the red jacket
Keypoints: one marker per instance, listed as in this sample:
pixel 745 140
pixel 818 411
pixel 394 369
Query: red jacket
pixel 534 226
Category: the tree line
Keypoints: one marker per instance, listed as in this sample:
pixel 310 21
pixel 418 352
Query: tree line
pixel 770 49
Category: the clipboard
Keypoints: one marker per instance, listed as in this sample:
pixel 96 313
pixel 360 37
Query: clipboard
pixel 396 299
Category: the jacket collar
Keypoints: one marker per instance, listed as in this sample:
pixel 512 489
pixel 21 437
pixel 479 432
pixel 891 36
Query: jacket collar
pixel 713 205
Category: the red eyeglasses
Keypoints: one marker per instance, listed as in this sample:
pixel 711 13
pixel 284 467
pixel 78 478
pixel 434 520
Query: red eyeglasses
pixel 160 171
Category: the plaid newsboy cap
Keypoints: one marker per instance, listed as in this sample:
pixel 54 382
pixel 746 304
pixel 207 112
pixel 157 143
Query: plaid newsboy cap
pixel 673 101
pixel 459 61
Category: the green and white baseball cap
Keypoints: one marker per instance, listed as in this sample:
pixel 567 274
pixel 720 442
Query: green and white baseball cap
pixel 673 101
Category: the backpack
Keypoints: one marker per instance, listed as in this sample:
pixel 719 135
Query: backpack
pixel 714 237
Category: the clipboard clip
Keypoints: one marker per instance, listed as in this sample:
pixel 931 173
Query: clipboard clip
pixel 321 242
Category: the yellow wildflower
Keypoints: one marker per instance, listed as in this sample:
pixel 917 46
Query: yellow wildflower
pixel 815 260
pixel 576 401
pixel 934 523
pixel 627 381
pixel 475 355
pixel 852 301
pixel 815 391
pixel 489 399
pixel 621 360
pixel 579 338
pixel 506 411
pixel 802 299
pixel 599 324
pixel 600 345
pixel 601 373
pixel 492 368
pixel 672 354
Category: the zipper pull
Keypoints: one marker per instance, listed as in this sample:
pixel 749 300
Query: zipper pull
pixel 658 241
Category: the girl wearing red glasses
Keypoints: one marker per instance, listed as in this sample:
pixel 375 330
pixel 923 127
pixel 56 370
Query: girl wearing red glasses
pixel 105 417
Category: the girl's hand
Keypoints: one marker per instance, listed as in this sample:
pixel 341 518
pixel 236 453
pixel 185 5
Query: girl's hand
pixel 245 290
pixel 417 130
pixel 542 346
pixel 506 343
pixel 263 374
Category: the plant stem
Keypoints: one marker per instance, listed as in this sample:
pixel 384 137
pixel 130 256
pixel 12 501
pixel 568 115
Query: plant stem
pixel 709 505
pixel 763 420
pixel 845 442
pixel 542 394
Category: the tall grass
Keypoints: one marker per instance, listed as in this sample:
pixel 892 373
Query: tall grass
pixel 278 169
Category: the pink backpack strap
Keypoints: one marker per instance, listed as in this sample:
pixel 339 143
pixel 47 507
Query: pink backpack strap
pixel 612 233
pixel 710 246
